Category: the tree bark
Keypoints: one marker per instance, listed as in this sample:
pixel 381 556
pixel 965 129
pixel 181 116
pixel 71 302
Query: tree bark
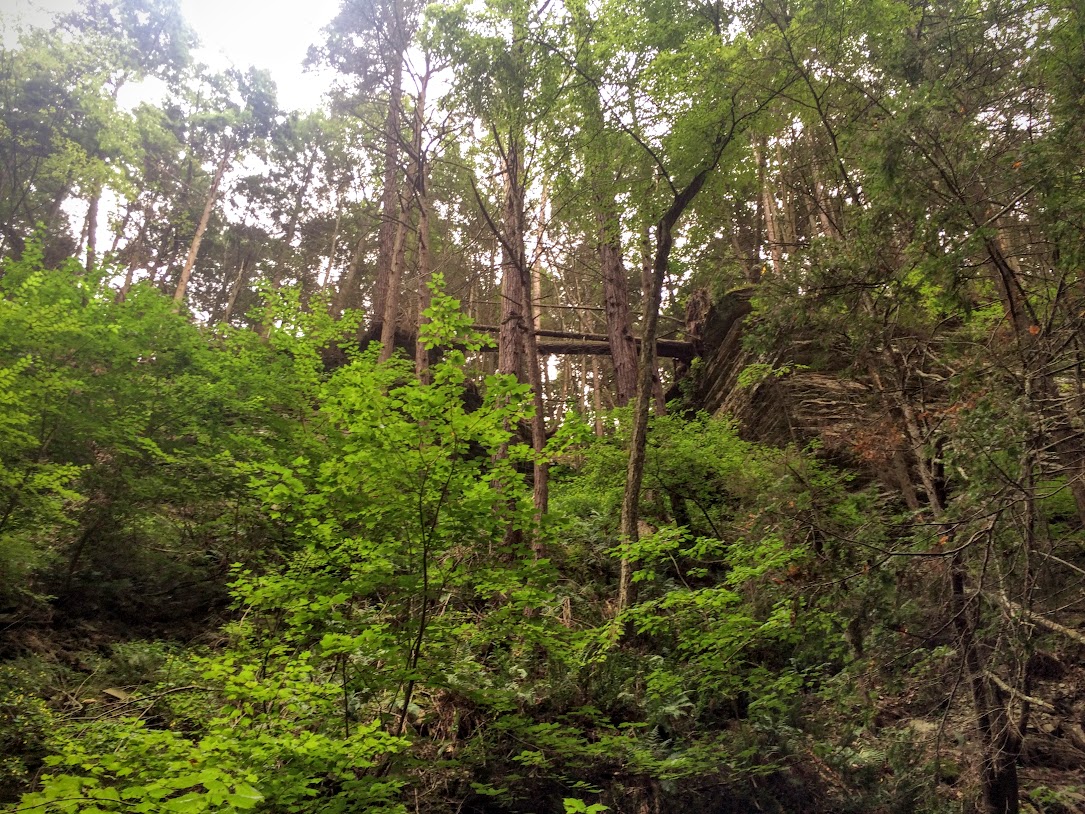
pixel 390 318
pixel 344 291
pixel 92 229
pixel 616 300
pixel 421 353
pixel 771 210
pixel 513 328
pixel 390 203
pixel 234 291
pixel 638 442
pixel 194 248
pixel 415 184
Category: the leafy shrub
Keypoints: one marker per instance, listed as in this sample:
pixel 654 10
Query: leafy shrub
pixel 25 724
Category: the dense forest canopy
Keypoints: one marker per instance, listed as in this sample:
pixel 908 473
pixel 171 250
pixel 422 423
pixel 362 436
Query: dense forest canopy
pixel 589 406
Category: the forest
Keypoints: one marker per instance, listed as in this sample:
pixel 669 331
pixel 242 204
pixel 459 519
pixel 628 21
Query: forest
pixel 624 406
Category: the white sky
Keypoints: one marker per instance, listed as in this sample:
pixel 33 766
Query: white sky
pixel 271 34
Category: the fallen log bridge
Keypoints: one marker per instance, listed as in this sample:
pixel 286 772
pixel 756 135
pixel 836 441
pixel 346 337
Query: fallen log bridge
pixel 559 343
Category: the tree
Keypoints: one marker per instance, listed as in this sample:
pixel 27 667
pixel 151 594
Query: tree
pixel 369 40
pixel 923 223
pixel 232 131
pixel 501 41
pixel 711 123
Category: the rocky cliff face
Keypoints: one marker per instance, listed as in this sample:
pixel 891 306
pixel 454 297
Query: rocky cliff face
pixel 786 396
pixel 790 395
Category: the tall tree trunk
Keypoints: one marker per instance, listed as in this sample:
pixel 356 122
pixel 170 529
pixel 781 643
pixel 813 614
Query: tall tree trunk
pixel 234 291
pixel 390 203
pixel 421 354
pixel 415 184
pixel 772 212
pixel 390 320
pixel 135 250
pixel 638 442
pixel 345 289
pixel 287 240
pixel 541 486
pixel 623 349
pixel 1036 357
pixel 92 229
pixel 513 325
pixel 193 250
pixel 597 396
pixel 520 319
pixel 1000 737
pixel 332 243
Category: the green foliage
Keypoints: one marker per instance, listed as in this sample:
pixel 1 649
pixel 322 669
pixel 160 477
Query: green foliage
pixel 576 806
pixel 732 639
pixel 25 725
pixel 118 418
pixel 904 181
pixel 754 374
pixel 405 547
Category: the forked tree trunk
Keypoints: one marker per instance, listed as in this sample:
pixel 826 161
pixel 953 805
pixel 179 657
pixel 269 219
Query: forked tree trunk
pixel 773 234
pixel 390 320
pixel 638 442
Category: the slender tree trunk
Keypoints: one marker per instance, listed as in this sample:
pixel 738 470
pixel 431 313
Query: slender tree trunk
pixel 345 289
pixel 193 250
pixel 390 203
pixel 118 236
pixel 234 291
pixel 999 735
pixel 772 211
pixel 563 394
pixel 92 229
pixel 597 396
pixel 421 354
pixel 287 240
pixel 513 325
pixel 537 264
pixel 580 379
pixel 540 491
pixel 135 253
pixel 332 243
pixel 390 320
pixel 623 349
pixel 416 184
pixel 638 442
pixel 520 319
pixel 1000 739
pixel 1067 444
